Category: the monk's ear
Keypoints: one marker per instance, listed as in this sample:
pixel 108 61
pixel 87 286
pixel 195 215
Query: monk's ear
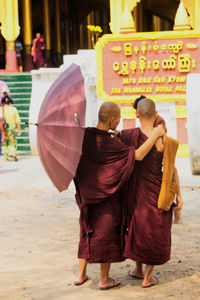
pixel 155 114
pixel 137 114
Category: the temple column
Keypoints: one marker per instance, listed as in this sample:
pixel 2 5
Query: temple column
pixel 58 32
pixel 10 30
pixel 196 14
pixel 116 11
pixel 27 34
pixel 90 21
pixel 67 48
pixel 47 28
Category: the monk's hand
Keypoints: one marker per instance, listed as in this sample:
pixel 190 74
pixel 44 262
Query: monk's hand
pixel 179 202
pixel 158 131
pixel 115 133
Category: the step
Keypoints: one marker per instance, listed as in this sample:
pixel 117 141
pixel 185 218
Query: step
pixel 23 147
pixel 24 120
pixel 21 89
pixel 24 134
pixel 22 101
pixel 24 114
pixel 16 84
pixel 24 126
pixel 23 153
pixel 10 77
pixel 20 95
pixel 22 140
pixel 22 107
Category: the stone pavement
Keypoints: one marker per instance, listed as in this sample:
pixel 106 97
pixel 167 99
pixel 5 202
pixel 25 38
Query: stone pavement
pixel 39 234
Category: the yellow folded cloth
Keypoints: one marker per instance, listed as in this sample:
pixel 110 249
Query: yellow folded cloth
pixel 168 187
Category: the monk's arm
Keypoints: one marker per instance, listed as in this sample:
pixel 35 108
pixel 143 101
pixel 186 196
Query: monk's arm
pixel 143 150
pixel 179 200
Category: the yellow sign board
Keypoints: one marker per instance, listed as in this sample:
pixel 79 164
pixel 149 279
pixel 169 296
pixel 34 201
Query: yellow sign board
pixel 154 64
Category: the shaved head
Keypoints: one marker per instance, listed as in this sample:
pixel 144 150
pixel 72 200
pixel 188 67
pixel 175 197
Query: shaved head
pixel 108 110
pixel 146 108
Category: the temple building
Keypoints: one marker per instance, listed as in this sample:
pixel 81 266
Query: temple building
pixel 63 23
pixel 68 26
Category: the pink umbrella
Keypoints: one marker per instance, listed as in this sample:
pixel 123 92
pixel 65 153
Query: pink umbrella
pixel 60 133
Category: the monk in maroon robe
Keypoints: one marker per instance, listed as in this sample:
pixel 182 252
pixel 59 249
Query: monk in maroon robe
pixel 104 168
pixel 147 229
pixel 38 51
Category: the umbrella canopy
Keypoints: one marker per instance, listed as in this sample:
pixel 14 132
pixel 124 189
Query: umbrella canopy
pixel 60 133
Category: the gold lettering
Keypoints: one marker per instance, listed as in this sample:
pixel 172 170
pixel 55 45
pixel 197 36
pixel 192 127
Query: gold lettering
pixel 128 49
pixel 144 47
pixel 156 64
pixel 133 66
pixel 164 89
pixel 144 80
pixel 156 46
pixel 194 63
pixel 159 79
pixel 136 49
pixel 116 90
pixel 124 69
pixel 142 63
pixel 176 47
pixel 184 63
pixel 180 88
pixel 169 64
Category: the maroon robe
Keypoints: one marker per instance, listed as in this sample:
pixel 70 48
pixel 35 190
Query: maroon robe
pixel 147 229
pixel 105 166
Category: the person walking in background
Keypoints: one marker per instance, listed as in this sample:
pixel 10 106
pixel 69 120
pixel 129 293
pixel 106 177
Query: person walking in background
pixel 11 115
pixel 18 49
pixel 38 51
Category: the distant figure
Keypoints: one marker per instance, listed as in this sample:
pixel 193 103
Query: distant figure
pixel 18 49
pixel 11 115
pixel 38 51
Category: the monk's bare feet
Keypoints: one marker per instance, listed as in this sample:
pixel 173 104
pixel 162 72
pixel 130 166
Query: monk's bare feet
pixel 81 279
pixel 109 284
pixel 150 282
pixel 134 273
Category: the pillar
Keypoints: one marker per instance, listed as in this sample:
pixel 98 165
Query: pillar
pixel 10 30
pixel 58 32
pixel 47 28
pixel 116 11
pixel 67 47
pixel 27 34
pixel 90 21
pixel 196 14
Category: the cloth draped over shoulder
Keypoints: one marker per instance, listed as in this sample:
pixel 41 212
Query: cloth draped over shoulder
pixel 168 187
pixel 146 229
pixel 104 167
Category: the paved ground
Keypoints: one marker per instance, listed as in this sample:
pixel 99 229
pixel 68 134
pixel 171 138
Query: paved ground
pixel 39 235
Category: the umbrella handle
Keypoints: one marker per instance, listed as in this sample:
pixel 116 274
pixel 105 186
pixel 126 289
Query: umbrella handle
pixel 29 123
pixel 76 119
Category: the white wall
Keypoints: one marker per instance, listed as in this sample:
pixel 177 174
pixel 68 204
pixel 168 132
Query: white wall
pixel 44 77
pixel 193 120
